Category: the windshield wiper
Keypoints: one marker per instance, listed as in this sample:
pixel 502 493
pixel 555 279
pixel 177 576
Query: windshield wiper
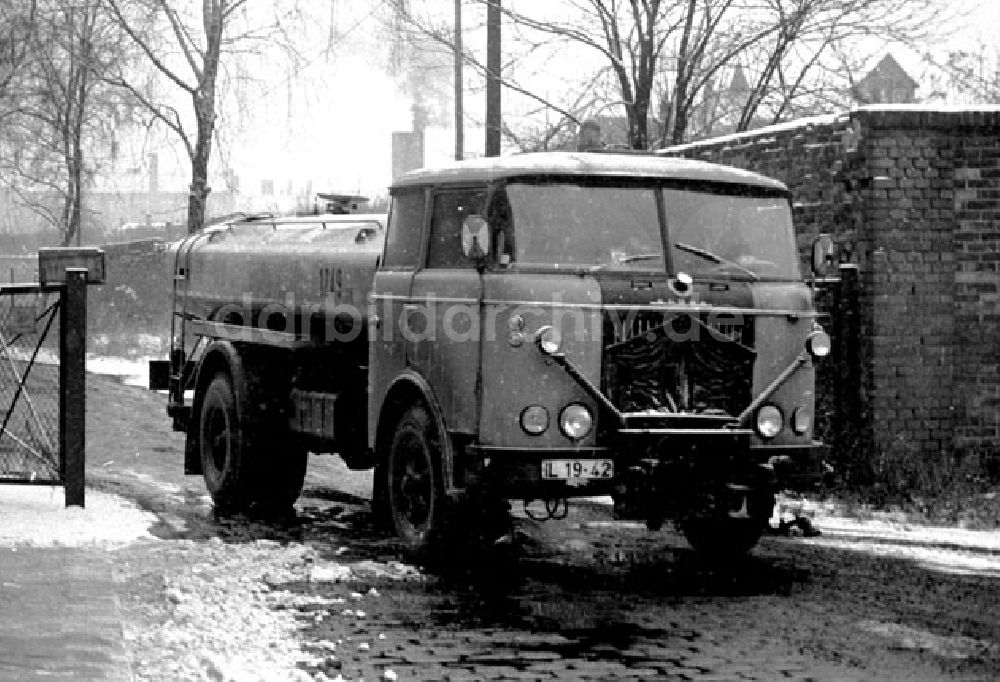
pixel 717 259
pixel 628 259
pixel 640 256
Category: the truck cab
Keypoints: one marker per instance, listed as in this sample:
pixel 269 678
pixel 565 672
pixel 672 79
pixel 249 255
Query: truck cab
pixel 555 325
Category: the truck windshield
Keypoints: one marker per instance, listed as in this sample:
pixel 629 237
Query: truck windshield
pixel 713 234
pixel 562 224
pixel 600 227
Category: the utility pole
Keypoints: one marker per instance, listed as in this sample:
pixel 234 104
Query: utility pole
pixel 493 116
pixel 459 113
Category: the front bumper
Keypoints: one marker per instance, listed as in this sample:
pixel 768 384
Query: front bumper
pixel 517 472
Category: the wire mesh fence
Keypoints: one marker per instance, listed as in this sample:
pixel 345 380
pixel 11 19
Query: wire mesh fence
pixel 29 387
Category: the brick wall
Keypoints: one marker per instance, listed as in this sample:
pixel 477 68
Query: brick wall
pixel 912 196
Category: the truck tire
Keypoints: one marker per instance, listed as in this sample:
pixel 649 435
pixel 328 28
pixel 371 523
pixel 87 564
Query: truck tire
pixel 722 538
pixel 246 464
pixel 224 463
pixel 413 479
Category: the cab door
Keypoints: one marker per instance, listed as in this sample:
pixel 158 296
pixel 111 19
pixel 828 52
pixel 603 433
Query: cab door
pixel 444 325
pixel 390 296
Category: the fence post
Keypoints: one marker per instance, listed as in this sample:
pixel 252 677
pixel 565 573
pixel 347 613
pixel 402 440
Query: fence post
pixel 72 379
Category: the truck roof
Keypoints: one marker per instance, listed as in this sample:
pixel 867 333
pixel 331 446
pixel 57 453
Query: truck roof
pixel 585 164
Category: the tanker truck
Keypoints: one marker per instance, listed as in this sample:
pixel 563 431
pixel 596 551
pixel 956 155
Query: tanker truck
pixel 532 328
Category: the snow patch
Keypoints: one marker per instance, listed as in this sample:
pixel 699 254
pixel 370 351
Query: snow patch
pixel 37 516
pixel 954 647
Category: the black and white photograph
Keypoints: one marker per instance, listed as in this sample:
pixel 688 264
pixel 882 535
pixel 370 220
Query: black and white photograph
pixel 459 340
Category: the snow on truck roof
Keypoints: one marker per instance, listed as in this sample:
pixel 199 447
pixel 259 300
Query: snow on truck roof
pixel 585 164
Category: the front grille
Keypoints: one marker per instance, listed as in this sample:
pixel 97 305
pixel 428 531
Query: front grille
pixel 677 361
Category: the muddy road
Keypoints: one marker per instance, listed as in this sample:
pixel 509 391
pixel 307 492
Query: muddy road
pixel 320 594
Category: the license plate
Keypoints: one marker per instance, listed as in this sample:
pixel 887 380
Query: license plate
pixel 577 469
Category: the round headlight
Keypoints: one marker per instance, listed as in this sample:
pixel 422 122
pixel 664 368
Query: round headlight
pixel 818 344
pixel 549 340
pixel 534 419
pixel 769 421
pixel 801 420
pixel 576 421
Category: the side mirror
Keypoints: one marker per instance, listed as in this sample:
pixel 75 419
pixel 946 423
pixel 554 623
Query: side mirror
pixel 823 255
pixel 476 238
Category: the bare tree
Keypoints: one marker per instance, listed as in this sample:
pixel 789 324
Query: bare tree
pixel 812 40
pixel 61 102
pixel 785 46
pixel 969 76
pixel 200 44
pixel 17 24
pixel 191 54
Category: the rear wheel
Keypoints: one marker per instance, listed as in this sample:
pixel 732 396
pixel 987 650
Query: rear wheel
pixel 223 459
pixel 414 486
pixel 246 462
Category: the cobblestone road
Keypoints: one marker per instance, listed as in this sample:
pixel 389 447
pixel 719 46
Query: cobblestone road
pixel 584 598
pixel 595 599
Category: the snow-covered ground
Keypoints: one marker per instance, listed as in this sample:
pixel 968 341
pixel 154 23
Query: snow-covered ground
pixel 131 371
pixel 37 516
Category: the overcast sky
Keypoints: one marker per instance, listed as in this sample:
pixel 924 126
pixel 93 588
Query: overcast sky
pixel 329 122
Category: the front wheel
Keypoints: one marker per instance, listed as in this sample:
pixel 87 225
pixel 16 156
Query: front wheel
pixel 413 479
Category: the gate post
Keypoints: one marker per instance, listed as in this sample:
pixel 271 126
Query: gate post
pixel 72 378
pixel 851 396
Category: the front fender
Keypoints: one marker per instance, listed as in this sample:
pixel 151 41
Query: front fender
pixel 407 387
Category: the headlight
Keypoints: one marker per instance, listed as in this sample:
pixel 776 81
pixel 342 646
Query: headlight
pixel 818 344
pixel 534 419
pixel 548 340
pixel 769 421
pixel 575 421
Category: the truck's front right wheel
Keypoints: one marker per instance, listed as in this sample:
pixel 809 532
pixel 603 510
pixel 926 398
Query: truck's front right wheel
pixel 413 478
pixel 720 537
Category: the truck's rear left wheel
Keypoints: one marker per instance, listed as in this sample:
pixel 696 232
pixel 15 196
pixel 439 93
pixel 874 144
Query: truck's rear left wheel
pixel 414 486
pixel 244 462
pixel 220 441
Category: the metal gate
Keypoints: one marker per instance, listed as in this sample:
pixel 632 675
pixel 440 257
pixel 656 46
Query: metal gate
pixel 29 385
pixel 43 332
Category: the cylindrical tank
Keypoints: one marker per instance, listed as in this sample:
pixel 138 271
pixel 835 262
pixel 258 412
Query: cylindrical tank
pixel 299 275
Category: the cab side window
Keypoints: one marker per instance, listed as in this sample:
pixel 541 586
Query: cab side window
pixel 450 211
pixel 406 222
